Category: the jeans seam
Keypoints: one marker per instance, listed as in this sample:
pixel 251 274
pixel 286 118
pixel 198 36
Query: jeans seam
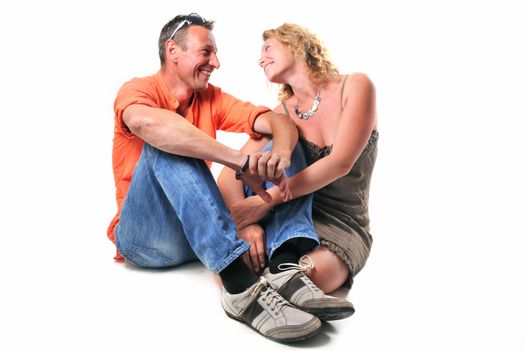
pixel 166 261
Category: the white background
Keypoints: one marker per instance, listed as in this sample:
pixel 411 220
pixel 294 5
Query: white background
pixel 447 265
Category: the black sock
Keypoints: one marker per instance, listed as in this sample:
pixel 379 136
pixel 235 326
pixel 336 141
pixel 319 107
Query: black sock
pixel 290 252
pixel 280 257
pixel 237 277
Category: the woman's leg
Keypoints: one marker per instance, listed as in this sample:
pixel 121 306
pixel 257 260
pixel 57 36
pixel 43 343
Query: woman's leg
pixel 330 272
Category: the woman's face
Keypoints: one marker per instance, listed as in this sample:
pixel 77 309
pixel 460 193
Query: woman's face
pixel 276 60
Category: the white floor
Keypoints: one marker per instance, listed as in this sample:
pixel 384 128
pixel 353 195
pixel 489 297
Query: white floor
pixel 81 299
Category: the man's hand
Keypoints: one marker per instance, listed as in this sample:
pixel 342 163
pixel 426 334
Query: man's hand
pixel 269 165
pixel 254 258
pixel 249 211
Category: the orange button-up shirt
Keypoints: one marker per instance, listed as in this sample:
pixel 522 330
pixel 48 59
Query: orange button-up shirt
pixel 211 110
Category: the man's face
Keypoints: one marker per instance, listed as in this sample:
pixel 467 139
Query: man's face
pixel 195 65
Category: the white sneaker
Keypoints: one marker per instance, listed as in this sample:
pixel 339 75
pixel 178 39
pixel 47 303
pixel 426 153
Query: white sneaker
pixel 293 284
pixel 263 309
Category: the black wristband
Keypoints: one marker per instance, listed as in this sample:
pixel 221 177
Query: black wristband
pixel 239 173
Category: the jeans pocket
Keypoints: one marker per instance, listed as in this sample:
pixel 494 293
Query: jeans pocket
pixel 145 257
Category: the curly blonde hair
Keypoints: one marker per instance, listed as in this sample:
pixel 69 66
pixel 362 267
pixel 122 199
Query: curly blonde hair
pixel 306 45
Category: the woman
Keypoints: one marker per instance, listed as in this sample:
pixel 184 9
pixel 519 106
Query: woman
pixel 336 119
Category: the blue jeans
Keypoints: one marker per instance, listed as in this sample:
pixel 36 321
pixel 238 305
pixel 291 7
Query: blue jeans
pixel 292 219
pixel 174 213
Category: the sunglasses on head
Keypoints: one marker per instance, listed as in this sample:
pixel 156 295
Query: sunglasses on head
pixel 192 18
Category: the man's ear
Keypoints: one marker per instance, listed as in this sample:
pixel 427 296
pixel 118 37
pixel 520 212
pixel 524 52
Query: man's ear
pixel 172 50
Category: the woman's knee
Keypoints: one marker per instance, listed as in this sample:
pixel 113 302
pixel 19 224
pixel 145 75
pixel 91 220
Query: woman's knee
pixel 330 272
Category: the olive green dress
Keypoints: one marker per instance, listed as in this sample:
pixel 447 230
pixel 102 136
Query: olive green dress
pixel 340 209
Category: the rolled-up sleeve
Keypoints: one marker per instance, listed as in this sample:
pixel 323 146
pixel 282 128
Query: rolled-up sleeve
pixel 238 116
pixel 132 92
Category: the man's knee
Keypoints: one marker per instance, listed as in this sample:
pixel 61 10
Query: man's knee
pixel 150 251
pixel 145 257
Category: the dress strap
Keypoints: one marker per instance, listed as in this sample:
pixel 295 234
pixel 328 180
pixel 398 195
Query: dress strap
pixel 343 91
pixel 283 106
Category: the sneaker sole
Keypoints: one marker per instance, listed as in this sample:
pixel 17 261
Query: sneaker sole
pixel 330 314
pixel 315 326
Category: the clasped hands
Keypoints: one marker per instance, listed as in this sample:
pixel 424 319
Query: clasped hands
pixel 268 166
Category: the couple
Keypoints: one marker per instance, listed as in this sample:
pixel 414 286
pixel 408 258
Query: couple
pixel 288 221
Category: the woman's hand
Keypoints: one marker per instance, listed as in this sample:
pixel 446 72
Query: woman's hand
pixel 254 257
pixel 284 189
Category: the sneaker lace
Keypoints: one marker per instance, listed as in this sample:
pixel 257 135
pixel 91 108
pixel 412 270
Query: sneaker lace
pixel 272 299
pixel 305 263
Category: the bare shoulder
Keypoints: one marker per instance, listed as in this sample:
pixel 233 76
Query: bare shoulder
pixel 358 87
pixel 359 80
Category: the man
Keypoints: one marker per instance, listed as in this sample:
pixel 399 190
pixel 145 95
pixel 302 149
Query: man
pixel 169 208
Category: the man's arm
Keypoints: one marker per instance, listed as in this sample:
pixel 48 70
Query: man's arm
pixel 172 133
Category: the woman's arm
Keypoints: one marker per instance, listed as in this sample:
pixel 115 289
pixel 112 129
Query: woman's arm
pixel 353 131
pixel 284 135
pixel 233 193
